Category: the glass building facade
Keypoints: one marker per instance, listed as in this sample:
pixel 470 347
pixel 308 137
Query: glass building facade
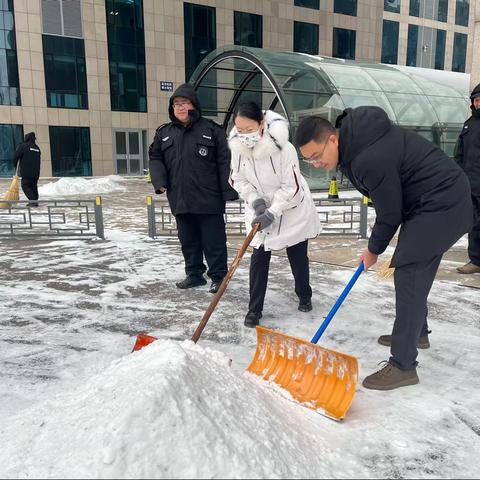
pixel 126 55
pixel 297 86
pixel 65 72
pixel 70 150
pixel 431 9
pixel 308 4
pixel 248 29
pixel 10 137
pixel 426 47
pixel 462 12
pixel 459 52
pixel 9 84
pixel 305 37
pixel 346 7
pixel 392 6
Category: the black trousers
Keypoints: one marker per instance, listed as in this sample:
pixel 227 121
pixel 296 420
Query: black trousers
pixel 474 235
pixel 30 188
pixel 201 235
pixel 412 286
pixel 260 264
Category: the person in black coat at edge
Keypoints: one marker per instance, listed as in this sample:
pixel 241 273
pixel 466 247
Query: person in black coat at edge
pixel 467 154
pixel 190 161
pixel 28 154
pixel 413 185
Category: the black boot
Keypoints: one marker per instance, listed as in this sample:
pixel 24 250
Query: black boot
pixel 215 285
pixel 252 319
pixel 191 281
pixel 305 305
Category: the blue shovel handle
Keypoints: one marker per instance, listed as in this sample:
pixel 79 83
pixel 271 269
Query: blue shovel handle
pixel 340 300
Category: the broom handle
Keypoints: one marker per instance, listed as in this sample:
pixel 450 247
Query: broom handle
pixel 340 300
pixel 216 298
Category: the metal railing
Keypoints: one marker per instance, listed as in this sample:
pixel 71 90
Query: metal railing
pixel 344 216
pixel 52 219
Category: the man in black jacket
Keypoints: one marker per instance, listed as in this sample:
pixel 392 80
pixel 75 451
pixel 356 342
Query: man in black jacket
pixel 467 154
pixel 413 185
pixel 28 154
pixel 190 160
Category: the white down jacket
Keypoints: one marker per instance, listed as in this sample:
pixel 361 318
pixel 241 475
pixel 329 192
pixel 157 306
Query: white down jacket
pixel 271 171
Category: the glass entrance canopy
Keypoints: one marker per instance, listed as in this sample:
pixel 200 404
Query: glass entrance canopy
pixel 297 85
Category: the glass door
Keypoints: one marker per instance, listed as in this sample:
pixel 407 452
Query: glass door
pixel 128 152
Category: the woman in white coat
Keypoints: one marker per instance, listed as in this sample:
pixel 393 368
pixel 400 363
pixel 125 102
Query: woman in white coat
pixel 266 174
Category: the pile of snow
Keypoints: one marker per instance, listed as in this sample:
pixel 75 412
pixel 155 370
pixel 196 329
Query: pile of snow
pixel 170 410
pixel 81 185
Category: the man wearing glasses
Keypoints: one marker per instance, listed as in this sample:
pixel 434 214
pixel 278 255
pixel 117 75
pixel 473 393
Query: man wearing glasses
pixel 413 185
pixel 190 161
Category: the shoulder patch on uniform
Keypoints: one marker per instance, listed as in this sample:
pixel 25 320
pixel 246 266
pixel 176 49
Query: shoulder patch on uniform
pixel 161 126
pixel 207 137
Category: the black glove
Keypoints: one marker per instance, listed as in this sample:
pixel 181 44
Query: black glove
pixel 259 206
pixel 265 219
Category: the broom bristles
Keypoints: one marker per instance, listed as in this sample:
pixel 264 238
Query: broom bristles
pixel 12 194
pixel 385 271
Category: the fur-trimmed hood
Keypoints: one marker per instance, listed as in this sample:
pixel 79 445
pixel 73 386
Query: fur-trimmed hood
pixel 275 136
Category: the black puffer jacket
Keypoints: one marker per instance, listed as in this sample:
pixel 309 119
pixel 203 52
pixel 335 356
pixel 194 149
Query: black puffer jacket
pixel 411 182
pixel 467 151
pixel 28 154
pixel 192 162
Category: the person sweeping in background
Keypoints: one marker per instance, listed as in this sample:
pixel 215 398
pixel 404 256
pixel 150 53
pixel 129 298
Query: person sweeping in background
pixel 266 174
pixel 28 155
pixel 413 185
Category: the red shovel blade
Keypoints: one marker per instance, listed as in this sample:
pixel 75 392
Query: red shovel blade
pixel 142 341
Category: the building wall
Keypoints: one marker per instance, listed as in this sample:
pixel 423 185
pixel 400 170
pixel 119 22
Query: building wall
pixel 165 60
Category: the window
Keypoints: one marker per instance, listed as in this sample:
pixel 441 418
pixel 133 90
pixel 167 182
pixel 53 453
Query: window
pixel 462 11
pixel 70 149
pixel 347 7
pixel 248 29
pixel 308 4
pixel 200 35
pixel 9 84
pixel 344 43
pixel 440 49
pixel 305 38
pixel 390 42
pixel 65 72
pixel 459 52
pixel 126 55
pixel 62 17
pixel 431 9
pixel 426 47
pixel 391 6
pixel 10 137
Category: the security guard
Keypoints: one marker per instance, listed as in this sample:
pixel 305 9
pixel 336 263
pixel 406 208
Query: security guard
pixel 28 154
pixel 190 161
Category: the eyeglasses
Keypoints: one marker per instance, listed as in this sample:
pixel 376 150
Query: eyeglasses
pixel 315 158
pixel 181 104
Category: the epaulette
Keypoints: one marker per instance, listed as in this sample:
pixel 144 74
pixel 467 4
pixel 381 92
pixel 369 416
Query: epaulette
pixel 161 126
pixel 214 123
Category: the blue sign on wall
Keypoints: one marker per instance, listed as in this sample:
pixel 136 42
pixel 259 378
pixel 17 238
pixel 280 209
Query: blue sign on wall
pixel 166 86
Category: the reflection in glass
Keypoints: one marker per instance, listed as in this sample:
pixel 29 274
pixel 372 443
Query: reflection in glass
pixel 459 52
pixel 248 30
pixel 462 12
pixel 391 6
pixel 126 55
pixel 344 43
pixel 347 7
pixel 308 4
pixel 305 38
pixel 431 9
pixel 70 150
pixel 9 84
pixel 390 42
pixel 10 137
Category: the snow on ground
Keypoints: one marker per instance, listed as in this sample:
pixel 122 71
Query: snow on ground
pixel 75 403
pixel 80 185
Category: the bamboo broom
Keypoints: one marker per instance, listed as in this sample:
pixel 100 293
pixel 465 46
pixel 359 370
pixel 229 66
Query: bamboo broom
pixel 13 192
pixel 385 271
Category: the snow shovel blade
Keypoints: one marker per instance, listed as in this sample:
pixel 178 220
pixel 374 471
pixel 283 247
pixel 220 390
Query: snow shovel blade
pixel 317 377
pixel 142 341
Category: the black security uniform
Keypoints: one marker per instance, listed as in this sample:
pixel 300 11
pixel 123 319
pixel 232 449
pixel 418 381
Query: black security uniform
pixel 467 154
pixel 28 154
pixel 413 185
pixel 193 163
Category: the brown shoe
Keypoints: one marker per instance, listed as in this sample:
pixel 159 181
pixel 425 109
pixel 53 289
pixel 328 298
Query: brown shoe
pixel 469 268
pixel 390 377
pixel 386 340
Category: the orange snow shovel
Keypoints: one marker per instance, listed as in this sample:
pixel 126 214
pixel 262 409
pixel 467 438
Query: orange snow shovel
pixel 144 340
pixel 317 377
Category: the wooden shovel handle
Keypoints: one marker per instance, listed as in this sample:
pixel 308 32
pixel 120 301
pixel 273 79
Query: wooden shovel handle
pixel 216 298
